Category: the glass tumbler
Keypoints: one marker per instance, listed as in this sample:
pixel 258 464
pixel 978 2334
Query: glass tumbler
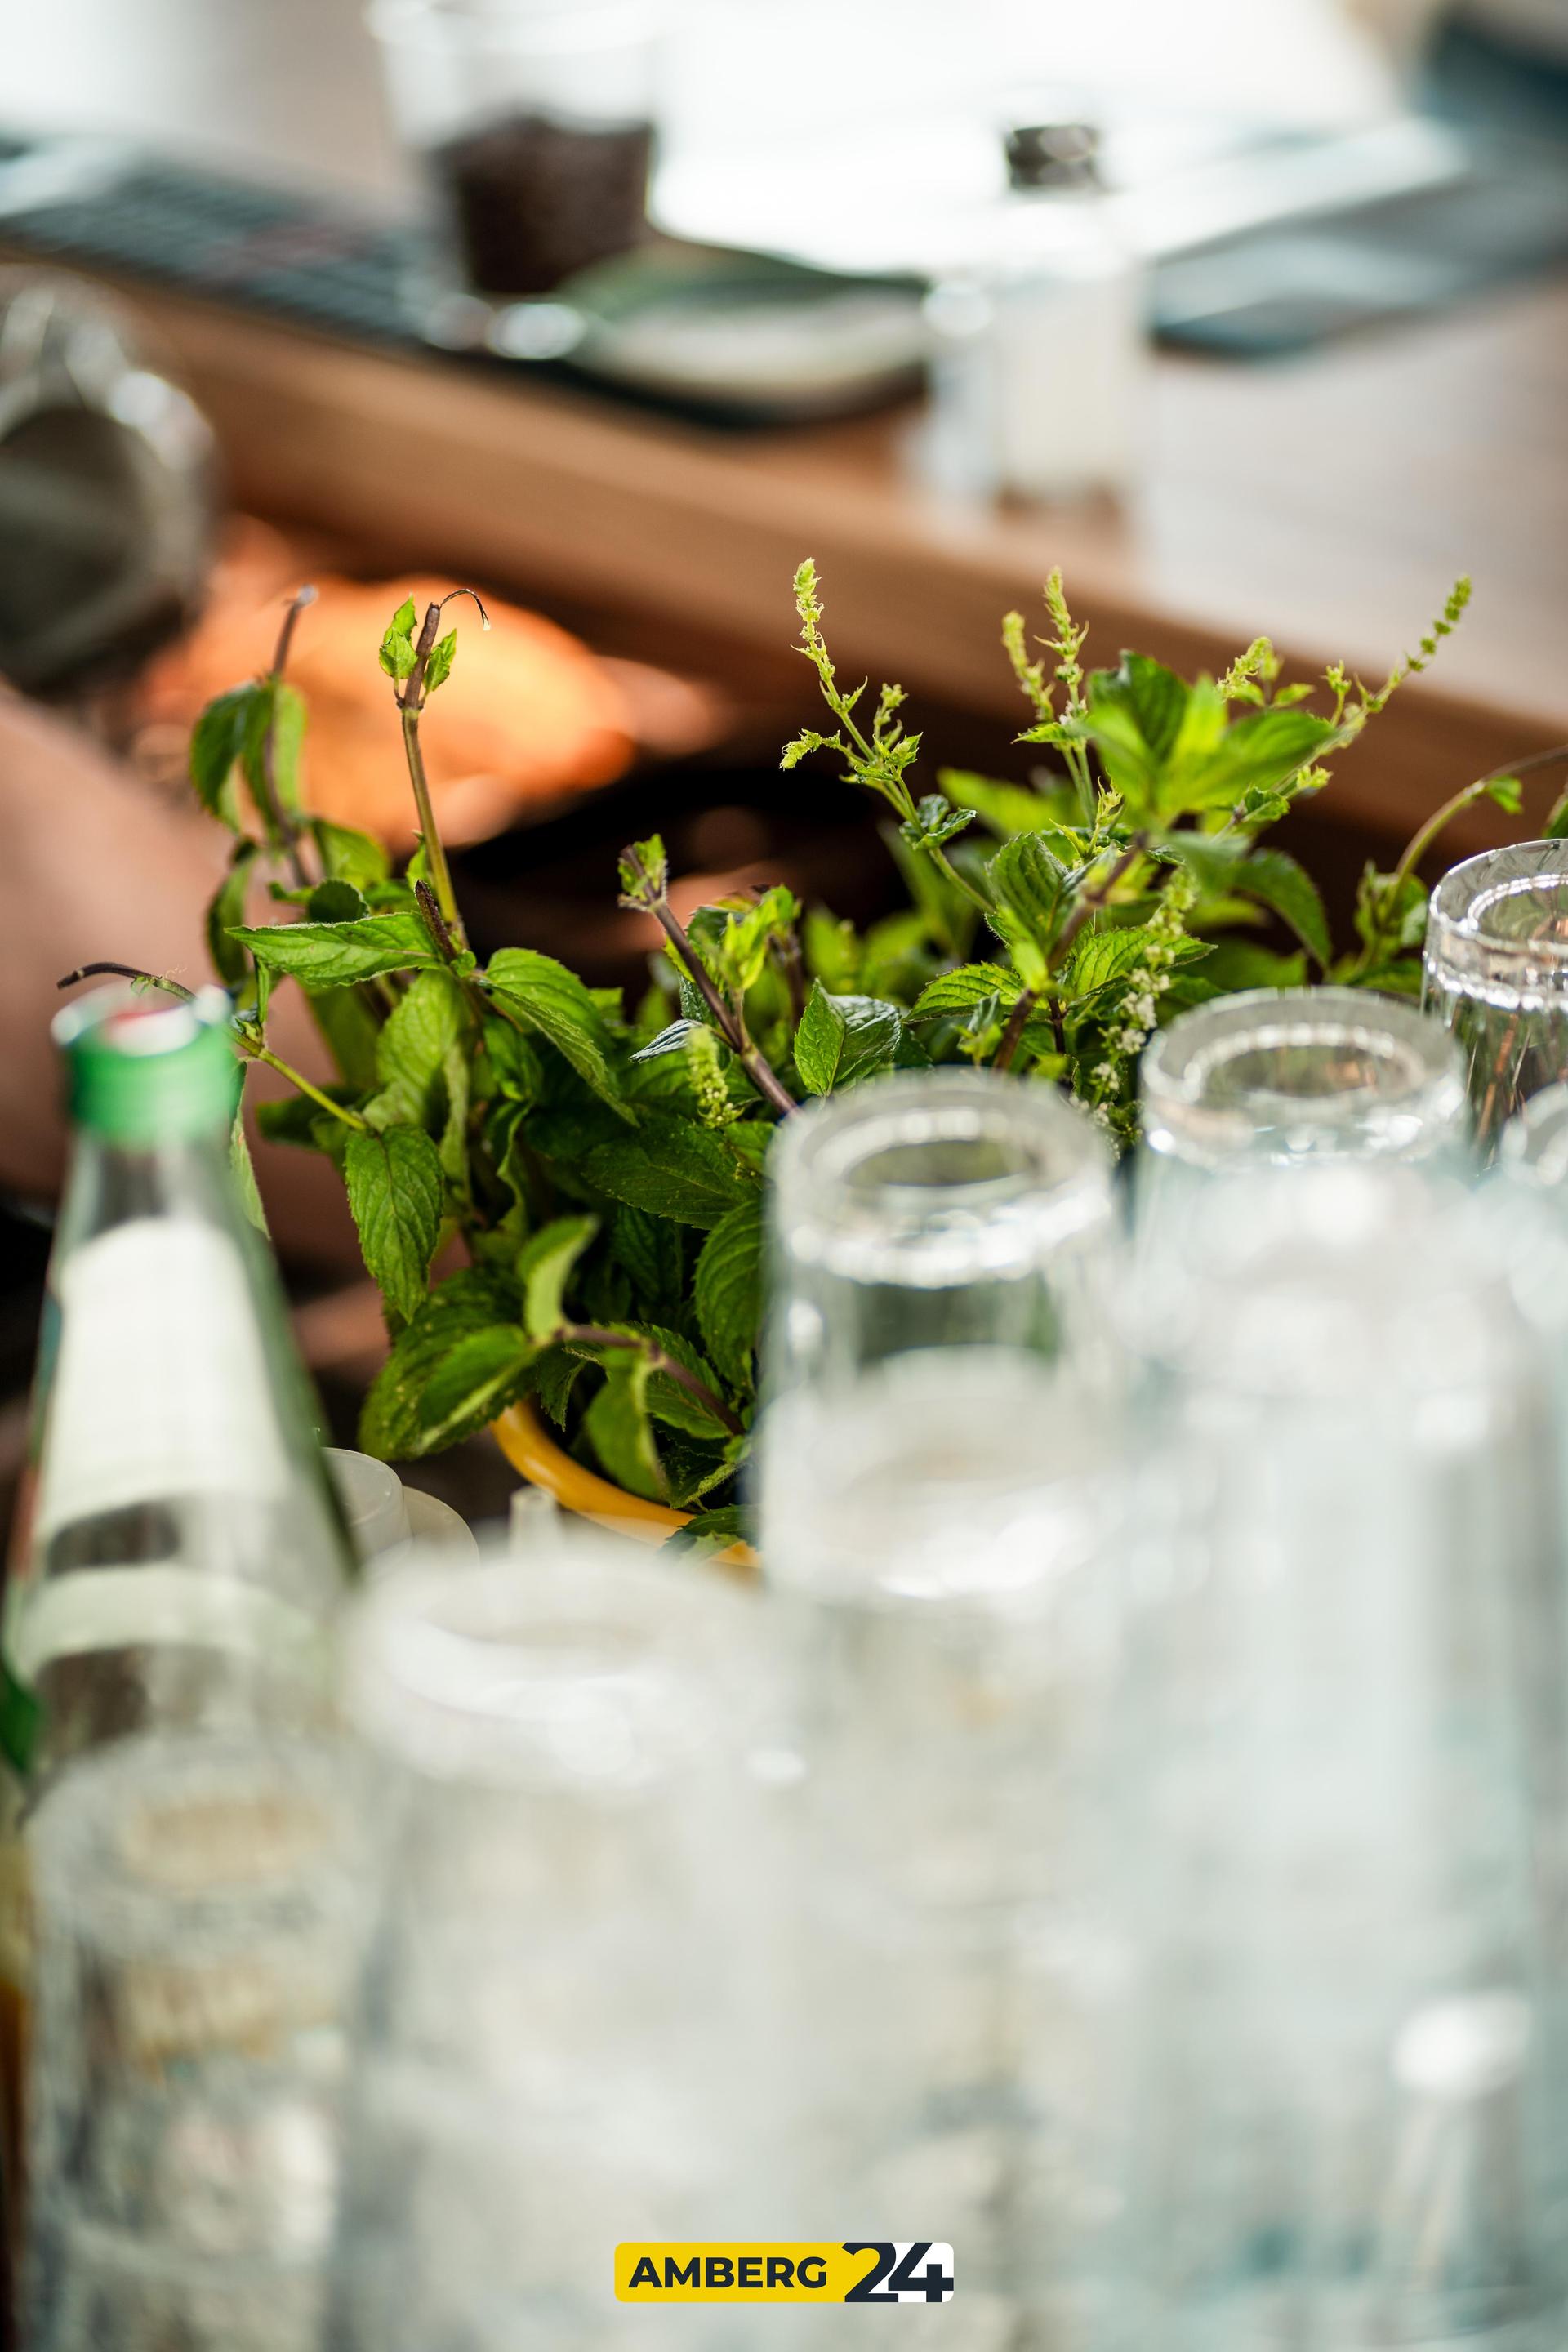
pixel 533 122
pixel 947 1211
pixel 201 1900
pixel 566 2042
pixel 1349 2065
pixel 1287 1077
pixel 1497 973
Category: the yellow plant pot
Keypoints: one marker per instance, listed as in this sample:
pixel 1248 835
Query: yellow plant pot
pixel 534 1455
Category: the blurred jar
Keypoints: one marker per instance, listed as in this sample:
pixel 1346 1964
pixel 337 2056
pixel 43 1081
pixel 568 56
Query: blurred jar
pixel 1350 2086
pixel 1038 346
pixel 1286 1077
pixel 1497 973
pixel 108 488
pixel 534 121
pixel 568 2032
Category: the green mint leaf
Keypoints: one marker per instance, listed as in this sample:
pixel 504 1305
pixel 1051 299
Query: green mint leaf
pixel 935 821
pixel 396 1192
pixel 334 955
pixel 224 910
pixel 1009 809
pixel 1099 957
pixel 670 1168
pixel 482 1376
pixel 412 1047
pixel 642 889
pixel 554 1376
pixel 347 856
pixel 554 1001
pixel 619 1428
pixel 728 1291
pixel 841 1040
pixel 1507 793
pixel 277 710
pixel 1258 753
pixel 650 1251
pixel 215 743
pixel 831 950
pixel 712 1531
pixel 1031 883
pixel 960 991
pixel 1557 823
pixel 390 1427
pixel 544 1267
pixel 1279 883
pixel 438 669
pixel 335 901
pixel 244 1169
pixel 397 656
pixel 1135 716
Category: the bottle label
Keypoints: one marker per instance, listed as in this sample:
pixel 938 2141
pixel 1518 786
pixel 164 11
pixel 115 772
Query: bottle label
pixel 160 1385
pixel 160 1388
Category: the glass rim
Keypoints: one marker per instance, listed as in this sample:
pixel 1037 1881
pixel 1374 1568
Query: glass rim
pixel 1179 1062
pixel 1452 910
pixel 566 27
pixel 543 1672
pixel 1059 1150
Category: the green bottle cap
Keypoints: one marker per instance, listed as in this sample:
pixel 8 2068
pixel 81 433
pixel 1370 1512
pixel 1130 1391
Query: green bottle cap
pixel 145 1067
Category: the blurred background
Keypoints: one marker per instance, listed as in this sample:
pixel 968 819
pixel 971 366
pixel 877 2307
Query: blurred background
pixel 1250 318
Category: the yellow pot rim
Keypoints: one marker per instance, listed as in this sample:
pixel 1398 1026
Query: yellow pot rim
pixel 534 1455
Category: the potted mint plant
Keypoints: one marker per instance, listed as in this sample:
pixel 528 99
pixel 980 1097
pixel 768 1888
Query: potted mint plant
pixel 601 1164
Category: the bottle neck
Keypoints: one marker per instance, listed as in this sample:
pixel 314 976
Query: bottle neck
pixel 115 1184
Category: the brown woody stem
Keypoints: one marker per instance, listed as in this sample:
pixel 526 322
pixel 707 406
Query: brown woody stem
pixel 126 972
pixel 1015 1029
pixel 755 1064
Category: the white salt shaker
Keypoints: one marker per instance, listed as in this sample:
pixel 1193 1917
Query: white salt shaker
pixel 1038 345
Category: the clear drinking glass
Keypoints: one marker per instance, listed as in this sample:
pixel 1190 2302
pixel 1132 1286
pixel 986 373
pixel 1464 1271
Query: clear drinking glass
pixel 201 1900
pixel 1497 973
pixel 948 1210
pixel 566 2040
pixel 939 1522
pixel 1350 2092
pixel 1286 1077
pixel 533 122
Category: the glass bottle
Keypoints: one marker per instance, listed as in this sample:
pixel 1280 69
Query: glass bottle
pixel 178 1554
pixel 1497 974
pixel 1037 347
pixel 1349 2065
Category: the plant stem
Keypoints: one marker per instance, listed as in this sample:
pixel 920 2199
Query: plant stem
pixel 258 1053
pixel 1095 900
pixel 279 819
pixel 591 1335
pixel 944 865
pixel 447 948
pixel 127 971
pixel 755 1065
pixel 1014 1030
pixel 435 848
pixel 410 703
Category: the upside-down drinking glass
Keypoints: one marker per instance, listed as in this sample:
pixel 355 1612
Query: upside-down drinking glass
pixel 1351 2101
pixel 1288 1077
pixel 201 1900
pixel 939 1529
pixel 565 2043
pixel 1497 972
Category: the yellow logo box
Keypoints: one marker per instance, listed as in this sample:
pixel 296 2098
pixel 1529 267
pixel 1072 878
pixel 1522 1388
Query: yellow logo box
pixel 912 2270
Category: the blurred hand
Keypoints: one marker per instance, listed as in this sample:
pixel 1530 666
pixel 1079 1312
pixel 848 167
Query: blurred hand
pixel 92 867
